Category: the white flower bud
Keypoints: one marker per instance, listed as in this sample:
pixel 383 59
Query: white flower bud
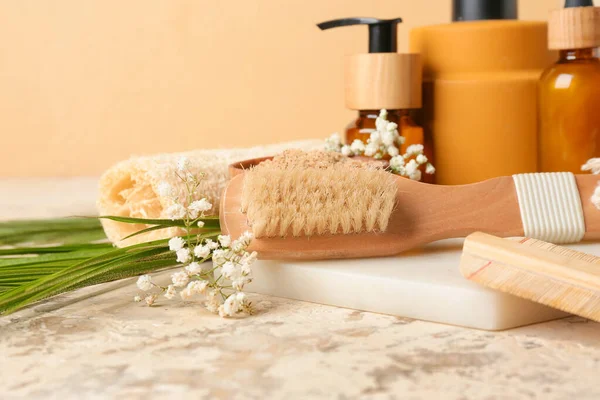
pixel 225 240
pixel 194 268
pixel 370 150
pixel 387 138
pixel 201 251
pixel 180 279
pixel 393 151
pixel 396 162
pixel 176 243
pixel 357 147
pixel 391 126
pixel 144 283
pixel 414 149
pixel 183 255
pixel 346 150
pixel 421 159
pixel 170 292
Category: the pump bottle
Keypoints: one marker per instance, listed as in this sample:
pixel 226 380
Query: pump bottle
pixel 382 79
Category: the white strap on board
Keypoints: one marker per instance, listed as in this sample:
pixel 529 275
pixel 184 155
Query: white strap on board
pixel 550 206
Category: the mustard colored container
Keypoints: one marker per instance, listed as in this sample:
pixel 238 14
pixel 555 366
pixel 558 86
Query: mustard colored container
pixel 480 96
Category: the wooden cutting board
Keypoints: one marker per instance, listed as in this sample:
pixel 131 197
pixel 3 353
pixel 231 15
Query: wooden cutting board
pixel 423 284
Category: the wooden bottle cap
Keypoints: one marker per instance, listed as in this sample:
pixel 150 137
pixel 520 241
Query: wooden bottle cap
pixel 383 80
pixel 574 28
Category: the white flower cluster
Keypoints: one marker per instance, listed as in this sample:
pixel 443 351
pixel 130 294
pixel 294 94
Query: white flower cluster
pixel 178 210
pixel 409 164
pixel 383 141
pixel 221 284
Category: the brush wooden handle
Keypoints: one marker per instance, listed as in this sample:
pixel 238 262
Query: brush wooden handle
pixel 431 212
pixel 543 272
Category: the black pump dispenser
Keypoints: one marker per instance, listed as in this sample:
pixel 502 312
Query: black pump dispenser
pixel 579 3
pixel 382 32
pixel 472 10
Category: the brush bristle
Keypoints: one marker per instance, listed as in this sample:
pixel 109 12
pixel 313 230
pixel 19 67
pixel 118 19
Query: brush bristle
pixel 551 288
pixel 288 198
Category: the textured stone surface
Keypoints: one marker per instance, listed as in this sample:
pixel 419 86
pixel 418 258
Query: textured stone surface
pixel 97 343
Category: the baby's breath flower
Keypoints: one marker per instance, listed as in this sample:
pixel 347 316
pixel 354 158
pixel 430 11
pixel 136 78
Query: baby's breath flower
pixel 186 294
pixel 411 167
pixel 357 147
pixel 430 169
pixel 137 298
pixel 346 151
pixel 230 270
pixel 183 255
pixel 421 159
pixel 225 240
pixel 150 299
pixel 387 138
pixel 180 279
pixel 200 224
pixel 176 243
pixel 333 142
pixel 176 211
pixel 144 283
pixel 249 258
pixel 197 286
pixel 232 305
pixel 414 149
pixel 213 301
pixel 201 251
pixel 199 206
pixel 170 292
pixel 220 256
pixel 211 245
pixel 370 150
pixel 183 164
pixel 193 268
pixel 415 176
pixel 393 151
pixel 396 162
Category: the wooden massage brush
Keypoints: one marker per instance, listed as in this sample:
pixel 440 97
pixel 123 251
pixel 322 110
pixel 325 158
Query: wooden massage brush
pixel 335 210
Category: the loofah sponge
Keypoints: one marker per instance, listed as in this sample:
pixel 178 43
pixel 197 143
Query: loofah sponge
pixel 130 188
pixel 317 193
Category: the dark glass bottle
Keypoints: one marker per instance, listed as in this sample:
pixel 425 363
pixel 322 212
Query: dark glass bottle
pixel 569 112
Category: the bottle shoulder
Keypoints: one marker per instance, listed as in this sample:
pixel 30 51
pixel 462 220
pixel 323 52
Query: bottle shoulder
pixel 564 74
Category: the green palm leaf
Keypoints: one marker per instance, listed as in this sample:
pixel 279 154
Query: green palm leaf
pixel 32 273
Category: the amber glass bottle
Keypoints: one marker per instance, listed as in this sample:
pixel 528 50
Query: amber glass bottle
pixel 569 112
pixel 569 92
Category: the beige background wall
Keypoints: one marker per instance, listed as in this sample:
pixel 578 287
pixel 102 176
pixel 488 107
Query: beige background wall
pixel 85 83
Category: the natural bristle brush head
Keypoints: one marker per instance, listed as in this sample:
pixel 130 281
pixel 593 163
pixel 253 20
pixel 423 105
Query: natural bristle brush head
pixel 313 205
pixel 334 198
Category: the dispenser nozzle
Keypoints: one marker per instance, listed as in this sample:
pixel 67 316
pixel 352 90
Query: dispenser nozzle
pixel 382 32
pixel 579 3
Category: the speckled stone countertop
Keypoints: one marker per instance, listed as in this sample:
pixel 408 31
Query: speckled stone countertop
pixel 97 343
